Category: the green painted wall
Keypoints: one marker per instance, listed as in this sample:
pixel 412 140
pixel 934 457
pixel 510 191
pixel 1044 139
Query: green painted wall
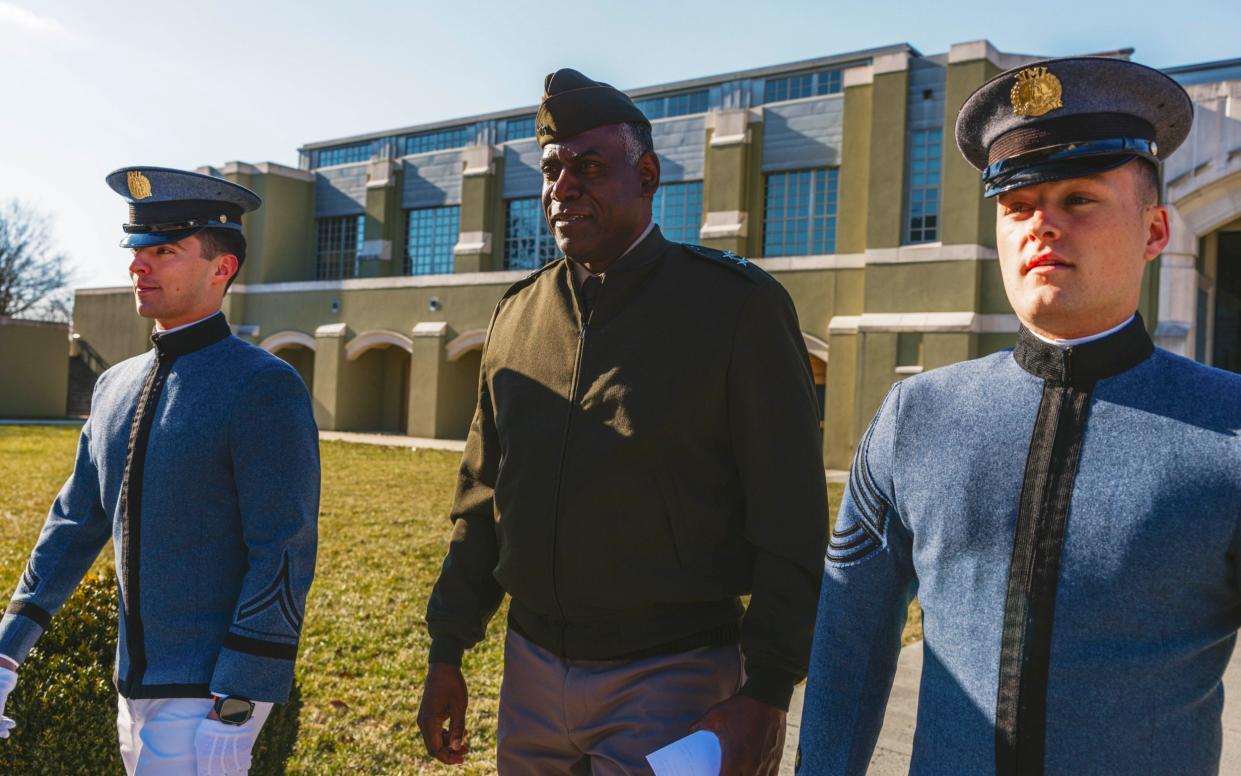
pixel 855 150
pixel 731 173
pixel 813 294
pixel 109 324
pixel 34 369
pixel 478 201
pixel 991 295
pixel 303 360
pixel 279 235
pixel 931 286
pixel 878 372
pixel 944 348
pixel 887 160
pixel 385 221
pixel 839 426
pixel 967 217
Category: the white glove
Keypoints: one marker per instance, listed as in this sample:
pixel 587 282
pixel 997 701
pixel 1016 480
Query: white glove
pixel 8 680
pixel 224 750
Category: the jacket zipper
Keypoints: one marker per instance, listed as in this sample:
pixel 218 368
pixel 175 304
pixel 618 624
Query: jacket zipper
pixel 564 452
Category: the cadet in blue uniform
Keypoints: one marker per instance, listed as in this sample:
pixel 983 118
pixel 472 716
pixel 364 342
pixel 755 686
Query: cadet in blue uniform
pixel 200 460
pixel 1066 512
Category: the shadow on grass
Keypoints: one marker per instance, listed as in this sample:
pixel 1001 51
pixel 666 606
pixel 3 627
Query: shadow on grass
pixel 275 743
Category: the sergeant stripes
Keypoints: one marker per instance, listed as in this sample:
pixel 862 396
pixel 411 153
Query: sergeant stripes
pixel 870 510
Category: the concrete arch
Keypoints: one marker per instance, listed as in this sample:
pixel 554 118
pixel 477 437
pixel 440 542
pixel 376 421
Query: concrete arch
pixel 377 338
pixel 815 346
pixel 465 342
pixel 288 339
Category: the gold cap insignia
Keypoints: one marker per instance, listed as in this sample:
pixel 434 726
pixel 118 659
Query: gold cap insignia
pixel 139 184
pixel 1035 92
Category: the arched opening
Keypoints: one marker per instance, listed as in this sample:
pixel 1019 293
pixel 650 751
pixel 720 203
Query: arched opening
pixel 376 385
pixel 298 350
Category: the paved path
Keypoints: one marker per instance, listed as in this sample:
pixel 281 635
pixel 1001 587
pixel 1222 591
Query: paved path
pixel 896 739
pixel 392 440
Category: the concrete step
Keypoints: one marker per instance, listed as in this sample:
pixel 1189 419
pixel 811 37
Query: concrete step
pixel 895 744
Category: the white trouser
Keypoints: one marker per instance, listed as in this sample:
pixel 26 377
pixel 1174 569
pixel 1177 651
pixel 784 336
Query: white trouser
pixel 157 734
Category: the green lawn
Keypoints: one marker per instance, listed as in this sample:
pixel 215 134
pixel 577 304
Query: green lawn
pixel 382 533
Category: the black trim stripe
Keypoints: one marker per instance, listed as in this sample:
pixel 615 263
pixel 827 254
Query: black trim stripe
pixel 34 612
pixel 259 647
pixel 1069 376
pixel 131 518
pixel 146 691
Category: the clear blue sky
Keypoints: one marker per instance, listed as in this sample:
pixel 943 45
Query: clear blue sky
pixel 91 86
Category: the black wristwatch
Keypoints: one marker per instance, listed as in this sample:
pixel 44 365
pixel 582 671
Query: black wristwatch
pixel 233 710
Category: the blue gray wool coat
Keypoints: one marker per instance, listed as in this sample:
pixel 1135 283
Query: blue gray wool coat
pixel 1100 485
pixel 200 460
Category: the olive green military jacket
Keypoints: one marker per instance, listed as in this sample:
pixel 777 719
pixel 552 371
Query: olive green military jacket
pixel 628 476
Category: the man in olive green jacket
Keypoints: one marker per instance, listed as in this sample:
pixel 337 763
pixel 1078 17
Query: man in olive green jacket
pixel 645 451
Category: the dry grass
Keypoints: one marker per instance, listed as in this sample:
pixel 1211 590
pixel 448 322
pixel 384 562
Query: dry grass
pixel 383 534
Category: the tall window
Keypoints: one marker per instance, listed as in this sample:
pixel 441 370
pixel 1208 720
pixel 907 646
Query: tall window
pixel 793 87
pixel 435 140
pixel 346 154
pixel 666 106
pixel 340 242
pixel 678 210
pixel 799 218
pixel 429 240
pixel 516 129
pixel 527 242
pixel 923 201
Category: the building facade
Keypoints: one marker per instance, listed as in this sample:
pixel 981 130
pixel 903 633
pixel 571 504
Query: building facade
pixel 374 266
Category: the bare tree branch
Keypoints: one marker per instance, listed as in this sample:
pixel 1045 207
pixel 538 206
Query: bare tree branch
pixel 34 277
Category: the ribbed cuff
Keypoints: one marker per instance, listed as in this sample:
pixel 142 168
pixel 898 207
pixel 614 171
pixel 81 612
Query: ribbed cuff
pixel 773 687
pixel 446 649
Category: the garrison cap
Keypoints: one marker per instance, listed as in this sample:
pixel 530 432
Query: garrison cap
pixel 167 205
pixel 572 104
pixel 1070 117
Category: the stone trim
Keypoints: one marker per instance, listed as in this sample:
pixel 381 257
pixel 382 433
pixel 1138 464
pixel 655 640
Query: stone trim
pixel 376 338
pixel 730 127
pixel 505 278
pixel 478 160
pixel 473 243
pixel 259 168
pixel 381 173
pixel 815 346
pixel 891 63
pixel 288 339
pixel 430 329
pixel 924 252
pixel 802 263
pixel 464 343
pixel 859 76
pixel 949 322
pixel 724 223
pixel 332 330
pixel 31 324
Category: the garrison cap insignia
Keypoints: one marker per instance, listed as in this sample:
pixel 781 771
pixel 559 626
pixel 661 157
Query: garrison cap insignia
pixel 1036 91
pixel 139 184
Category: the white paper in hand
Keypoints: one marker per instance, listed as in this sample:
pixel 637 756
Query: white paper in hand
pixel 698 754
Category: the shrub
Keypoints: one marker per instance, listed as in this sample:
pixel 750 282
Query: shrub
pixel 65 702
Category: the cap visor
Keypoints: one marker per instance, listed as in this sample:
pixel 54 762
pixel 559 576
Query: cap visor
pixel 1055 171
pixel 148 239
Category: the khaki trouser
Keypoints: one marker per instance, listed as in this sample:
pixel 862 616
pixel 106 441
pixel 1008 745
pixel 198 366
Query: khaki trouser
pixel 602 717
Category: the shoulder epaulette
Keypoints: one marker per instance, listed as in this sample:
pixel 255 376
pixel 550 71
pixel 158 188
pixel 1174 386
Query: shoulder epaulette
pixel 728 259
pixel 528 279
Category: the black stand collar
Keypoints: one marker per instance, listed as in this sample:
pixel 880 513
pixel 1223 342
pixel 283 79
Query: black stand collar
pixel 1088 363
pixel 182 342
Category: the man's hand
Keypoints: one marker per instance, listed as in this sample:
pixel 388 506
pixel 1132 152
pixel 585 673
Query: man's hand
pixel 751 735
pixel 224 750
pixel 444 698
pixel 8 680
